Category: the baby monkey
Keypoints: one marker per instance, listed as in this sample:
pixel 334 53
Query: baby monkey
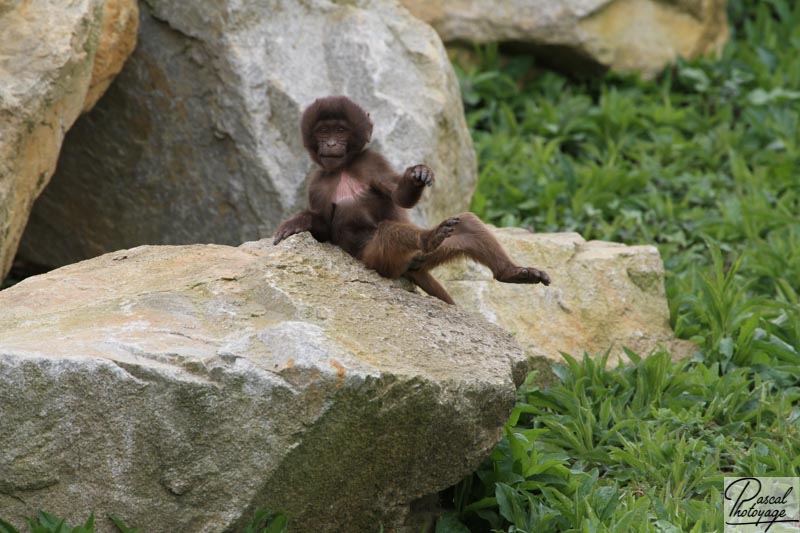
pixel 358 202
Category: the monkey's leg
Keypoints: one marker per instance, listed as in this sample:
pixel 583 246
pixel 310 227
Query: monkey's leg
pixel 473 239
pixel 394 244
pixel 427 283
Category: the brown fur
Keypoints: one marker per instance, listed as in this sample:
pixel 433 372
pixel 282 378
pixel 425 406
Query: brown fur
pixel 372 224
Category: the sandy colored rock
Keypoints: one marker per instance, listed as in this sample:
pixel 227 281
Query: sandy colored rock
pixel 183 387
pixel 117 42
pixel 624 35
pixel 47 57
pixel 198 139
pixel 603 295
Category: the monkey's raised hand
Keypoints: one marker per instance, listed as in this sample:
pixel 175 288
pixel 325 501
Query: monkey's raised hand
pixel 297 224
pixel 420 175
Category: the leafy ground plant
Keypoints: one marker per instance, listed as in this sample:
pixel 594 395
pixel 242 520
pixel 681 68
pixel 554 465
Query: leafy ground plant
pixel 641 447
pixel 47 523
pixel 704 162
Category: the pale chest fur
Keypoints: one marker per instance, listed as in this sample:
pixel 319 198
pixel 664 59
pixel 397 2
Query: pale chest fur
pixel 348 189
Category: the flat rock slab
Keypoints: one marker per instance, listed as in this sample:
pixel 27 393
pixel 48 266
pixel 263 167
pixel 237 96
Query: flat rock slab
pixel 603 295
pixel 182 388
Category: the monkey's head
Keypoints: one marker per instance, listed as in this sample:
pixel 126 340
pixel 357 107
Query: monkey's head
pixel 335 129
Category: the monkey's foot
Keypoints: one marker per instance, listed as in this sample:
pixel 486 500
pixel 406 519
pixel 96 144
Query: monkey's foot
pixel 525 275
pixel 434 238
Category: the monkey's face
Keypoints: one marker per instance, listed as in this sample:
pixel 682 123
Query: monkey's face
pixel 332 139
pixel 335 130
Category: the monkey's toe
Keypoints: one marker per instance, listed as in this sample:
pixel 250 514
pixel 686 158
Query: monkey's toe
pixel 544 278
pixel 440 233
pixel 450 224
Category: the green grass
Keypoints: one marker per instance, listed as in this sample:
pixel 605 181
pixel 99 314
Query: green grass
pixel 704 162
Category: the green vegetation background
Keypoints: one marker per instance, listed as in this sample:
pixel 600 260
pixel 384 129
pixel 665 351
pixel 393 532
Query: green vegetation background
pixel 704 162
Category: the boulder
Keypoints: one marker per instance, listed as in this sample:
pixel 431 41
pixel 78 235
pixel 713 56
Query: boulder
pixel 198 139
pixel 181 388
pixel 117 42
pixel 603 296
pixel 586 36
pixel 53 55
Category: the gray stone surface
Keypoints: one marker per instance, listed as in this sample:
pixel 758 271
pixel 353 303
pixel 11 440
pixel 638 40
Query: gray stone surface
pixel 183 387
pixel 198 139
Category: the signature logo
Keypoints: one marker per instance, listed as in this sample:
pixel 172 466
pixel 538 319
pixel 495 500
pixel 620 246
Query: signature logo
pixel 759 503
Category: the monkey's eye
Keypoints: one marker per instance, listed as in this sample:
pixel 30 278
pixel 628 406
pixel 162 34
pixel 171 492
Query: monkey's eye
pixel 340 129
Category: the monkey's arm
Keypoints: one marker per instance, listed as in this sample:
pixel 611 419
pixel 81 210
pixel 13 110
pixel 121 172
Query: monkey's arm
pixel 317 218
pixel 404 189
pixel 298 223
pixel 303 221
pixel 411 184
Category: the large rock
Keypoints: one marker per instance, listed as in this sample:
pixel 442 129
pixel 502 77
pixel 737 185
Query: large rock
pixel 198 139
pixel 48 70
pixel 581 35
pixel 117 42
pixel 181 388
pixel 603 296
